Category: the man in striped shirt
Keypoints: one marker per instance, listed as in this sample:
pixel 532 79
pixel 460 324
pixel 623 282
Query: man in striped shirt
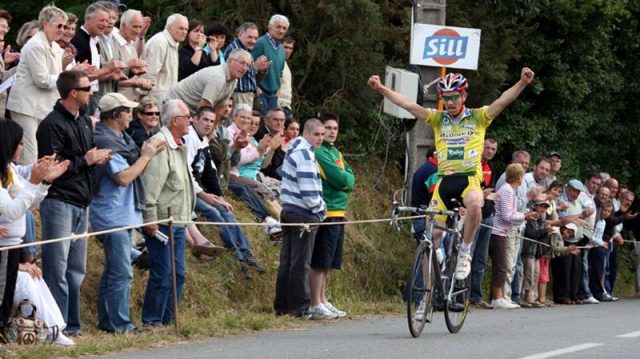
pixel 247 37
pixel 302 202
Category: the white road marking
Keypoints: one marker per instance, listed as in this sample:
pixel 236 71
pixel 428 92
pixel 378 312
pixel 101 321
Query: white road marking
pixel 575 348
pixel 629 335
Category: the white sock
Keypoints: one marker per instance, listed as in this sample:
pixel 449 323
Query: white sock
pixel 465 248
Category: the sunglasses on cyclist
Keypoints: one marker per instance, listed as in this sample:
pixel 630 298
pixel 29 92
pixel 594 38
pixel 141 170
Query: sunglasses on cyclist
pixel 450 98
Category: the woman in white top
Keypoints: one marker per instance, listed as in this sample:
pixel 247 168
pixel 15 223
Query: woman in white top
pixel 21 187
pixel 34 93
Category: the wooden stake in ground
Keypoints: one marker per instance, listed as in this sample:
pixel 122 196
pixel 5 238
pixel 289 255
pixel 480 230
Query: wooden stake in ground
pixel 174 286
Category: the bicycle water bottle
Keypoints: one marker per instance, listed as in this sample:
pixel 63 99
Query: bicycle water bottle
pixel 440 255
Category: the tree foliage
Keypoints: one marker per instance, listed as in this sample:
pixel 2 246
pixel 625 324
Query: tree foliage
pixel 582 103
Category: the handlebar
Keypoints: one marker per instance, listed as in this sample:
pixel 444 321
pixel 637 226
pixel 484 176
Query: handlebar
pixel 425 211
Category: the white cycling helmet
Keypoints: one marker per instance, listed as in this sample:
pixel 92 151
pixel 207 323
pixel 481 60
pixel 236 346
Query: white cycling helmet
pixel 453 82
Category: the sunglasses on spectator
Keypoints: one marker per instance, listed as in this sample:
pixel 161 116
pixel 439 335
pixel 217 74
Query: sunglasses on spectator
pixel 83 89
pixel 150 113
pixel 450 98
pixel 60 26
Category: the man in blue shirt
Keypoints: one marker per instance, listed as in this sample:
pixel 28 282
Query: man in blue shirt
pixel 118 203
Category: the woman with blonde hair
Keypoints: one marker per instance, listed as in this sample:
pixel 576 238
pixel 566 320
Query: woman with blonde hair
pixel 34 93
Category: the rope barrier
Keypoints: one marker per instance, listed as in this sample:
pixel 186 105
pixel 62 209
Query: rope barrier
pixel 548 245
pixel 299 224
pixel 86 235
pixel 250 224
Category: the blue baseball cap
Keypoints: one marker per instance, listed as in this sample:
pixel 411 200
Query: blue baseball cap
pixel 577 185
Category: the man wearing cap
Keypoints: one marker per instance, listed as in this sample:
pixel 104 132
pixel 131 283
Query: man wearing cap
pixel 556 163
pixel 66 132
pixel 118 203
pixel 580 204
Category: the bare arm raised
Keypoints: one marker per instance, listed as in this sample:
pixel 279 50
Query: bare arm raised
pixel 399 99
pixel 507 97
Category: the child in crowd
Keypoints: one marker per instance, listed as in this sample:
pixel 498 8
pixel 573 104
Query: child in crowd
pixel 534 231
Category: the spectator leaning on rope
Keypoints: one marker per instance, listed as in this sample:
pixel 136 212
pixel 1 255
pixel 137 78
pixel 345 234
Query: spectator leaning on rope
pixel 169 185
pixel 118 202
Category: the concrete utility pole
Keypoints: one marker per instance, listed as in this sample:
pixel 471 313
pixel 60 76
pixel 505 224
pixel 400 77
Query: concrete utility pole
pixel 421 135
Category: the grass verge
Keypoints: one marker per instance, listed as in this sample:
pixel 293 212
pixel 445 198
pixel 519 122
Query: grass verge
pixel 218 301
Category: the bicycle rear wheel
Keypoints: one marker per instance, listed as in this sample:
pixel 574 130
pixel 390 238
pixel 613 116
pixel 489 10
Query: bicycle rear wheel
pixel 419 291
pixel 457 292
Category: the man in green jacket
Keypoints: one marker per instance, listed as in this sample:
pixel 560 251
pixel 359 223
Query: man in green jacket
pixel 337 183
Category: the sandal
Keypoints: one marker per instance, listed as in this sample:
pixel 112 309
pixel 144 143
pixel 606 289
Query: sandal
pixel 537 305
pixel 547 303
pixel 525 305
pixel 566 302
pixel 579 301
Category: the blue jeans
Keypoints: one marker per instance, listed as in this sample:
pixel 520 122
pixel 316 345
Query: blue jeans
pixel 268 102
pixel 612 268
pixel 232 236
pixel 480 251
pixel 157 308
pixel 29 237
pixel 584 291
pixel 251 199
pixel 115 283
pixel 516 284
pixel 64 264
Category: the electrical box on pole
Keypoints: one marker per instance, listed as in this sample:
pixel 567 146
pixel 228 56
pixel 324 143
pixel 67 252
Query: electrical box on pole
pixel 420 137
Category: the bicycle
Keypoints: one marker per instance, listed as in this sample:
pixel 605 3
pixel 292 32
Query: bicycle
pixel 422 288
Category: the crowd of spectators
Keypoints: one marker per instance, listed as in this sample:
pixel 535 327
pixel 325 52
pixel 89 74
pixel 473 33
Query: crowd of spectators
pixel 112 128
pixel 536 227
pixel 109 128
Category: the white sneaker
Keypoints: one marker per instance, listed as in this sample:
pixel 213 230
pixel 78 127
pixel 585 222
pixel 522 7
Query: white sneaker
pixel 503 304
pixel 321 312
pixel 64 340
pixel 463 267
pixel 591 300
pixel 272 226
pixel 420 311
pixel 340 313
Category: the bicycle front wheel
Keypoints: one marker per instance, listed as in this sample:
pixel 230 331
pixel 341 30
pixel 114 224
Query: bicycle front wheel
pixel 419 291
pixel 458 293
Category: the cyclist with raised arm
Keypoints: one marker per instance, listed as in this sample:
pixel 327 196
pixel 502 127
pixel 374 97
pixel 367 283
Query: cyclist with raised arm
pixel 459 137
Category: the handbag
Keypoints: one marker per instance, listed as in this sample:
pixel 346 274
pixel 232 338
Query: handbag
pixel 25 329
